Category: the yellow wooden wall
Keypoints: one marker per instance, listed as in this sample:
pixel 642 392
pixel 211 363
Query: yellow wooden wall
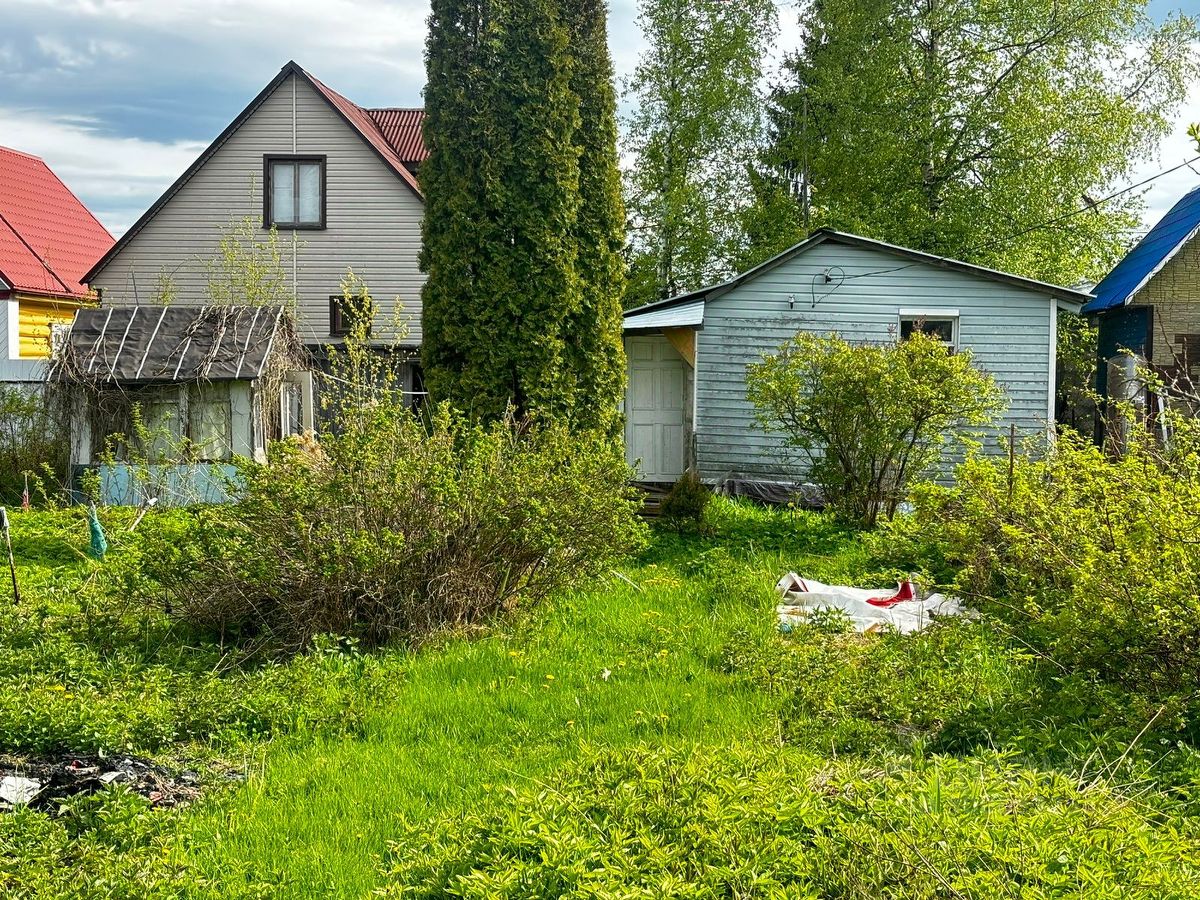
pixel 36 316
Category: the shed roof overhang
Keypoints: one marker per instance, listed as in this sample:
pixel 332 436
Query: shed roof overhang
pixel 147 345
pixel 683 315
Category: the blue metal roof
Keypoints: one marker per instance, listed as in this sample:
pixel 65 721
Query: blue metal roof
pixel 1152 252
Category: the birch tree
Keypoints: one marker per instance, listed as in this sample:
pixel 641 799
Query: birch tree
pixel 695 124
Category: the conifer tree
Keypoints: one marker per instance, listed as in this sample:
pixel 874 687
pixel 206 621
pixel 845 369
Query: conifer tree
pixel 980 129
pixel 594 333
pixel 457 55
pixel 514 313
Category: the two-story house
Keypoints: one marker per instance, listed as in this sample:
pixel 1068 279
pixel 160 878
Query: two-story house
pixel 48 239
pixel 337 182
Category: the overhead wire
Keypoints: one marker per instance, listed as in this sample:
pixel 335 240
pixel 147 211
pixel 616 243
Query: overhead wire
pixel 1086 209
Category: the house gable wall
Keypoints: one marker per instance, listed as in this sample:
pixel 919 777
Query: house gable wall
pixel 1008 330
pixel 373 220
pixel 1174 292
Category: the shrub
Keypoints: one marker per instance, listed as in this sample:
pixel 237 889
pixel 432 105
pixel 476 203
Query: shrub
pixel 772 822
pixel 869 419
pixel 394 527
pixel 32 441
pixel 686 501
pixel 395 524
pixel 953 686
pixel 1092 561
pixel 84 669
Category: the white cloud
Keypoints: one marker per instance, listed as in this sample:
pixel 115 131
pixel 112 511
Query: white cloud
pixel 68 55
pixel 379 32
pixel 116 177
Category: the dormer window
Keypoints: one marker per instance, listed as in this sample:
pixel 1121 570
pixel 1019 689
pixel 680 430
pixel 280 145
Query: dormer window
pixel 294 191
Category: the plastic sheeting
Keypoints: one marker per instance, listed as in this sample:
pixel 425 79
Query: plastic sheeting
pixel 772 493
pixel 871 610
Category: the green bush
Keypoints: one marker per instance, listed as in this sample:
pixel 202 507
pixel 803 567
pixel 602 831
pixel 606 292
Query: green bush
pixel 870 419
pixel 32 441
pixel 393 527
pixel 1093 562
pixel 685 503
pixel 84 669
pixel 772 822
pixel 956 686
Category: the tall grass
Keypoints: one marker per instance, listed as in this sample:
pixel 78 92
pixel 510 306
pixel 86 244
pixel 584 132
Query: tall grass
pixel 608 666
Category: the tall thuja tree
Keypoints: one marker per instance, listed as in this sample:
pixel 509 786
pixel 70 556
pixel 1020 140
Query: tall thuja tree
pixel 594 332
pixel 458 54
pixel 502 202
pixel 989 130
pixel 695 124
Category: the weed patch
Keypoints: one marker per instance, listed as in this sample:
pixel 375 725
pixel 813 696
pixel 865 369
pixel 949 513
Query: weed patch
pixel 773 822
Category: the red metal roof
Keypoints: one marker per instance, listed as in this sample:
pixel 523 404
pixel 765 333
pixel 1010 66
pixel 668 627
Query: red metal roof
pixel 48 238
pixel 362 120
pixel 401 128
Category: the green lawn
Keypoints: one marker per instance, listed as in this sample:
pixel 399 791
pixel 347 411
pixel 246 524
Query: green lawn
pixel 347 752
pixel 635 657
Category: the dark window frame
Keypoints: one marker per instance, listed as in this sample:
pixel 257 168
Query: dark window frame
pixel 269 159
pixel 338 325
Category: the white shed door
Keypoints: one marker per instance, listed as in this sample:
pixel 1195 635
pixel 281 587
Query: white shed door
pixel 654 408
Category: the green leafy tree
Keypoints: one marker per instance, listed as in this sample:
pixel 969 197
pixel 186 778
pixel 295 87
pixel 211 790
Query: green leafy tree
pixel 988 131
pixel 521 307
pixel 869 419
pixel 695 124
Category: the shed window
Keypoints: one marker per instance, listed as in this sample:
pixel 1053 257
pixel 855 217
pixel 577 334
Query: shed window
pixel 294 192
pixel 940 327
pixel 160 423
pixel 210 422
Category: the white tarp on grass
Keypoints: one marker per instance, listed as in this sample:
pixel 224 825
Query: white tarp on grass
pixel 895 609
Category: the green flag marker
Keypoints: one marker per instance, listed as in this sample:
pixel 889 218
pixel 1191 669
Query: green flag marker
pixel 99 545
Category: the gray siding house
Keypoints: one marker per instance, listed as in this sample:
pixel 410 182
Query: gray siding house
pixel 336 180
pixel 686 398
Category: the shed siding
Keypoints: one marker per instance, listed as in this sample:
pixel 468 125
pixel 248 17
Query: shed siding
pixel 373 220
pixel 1007 329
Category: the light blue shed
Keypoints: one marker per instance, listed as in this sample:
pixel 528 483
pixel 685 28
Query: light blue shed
pixel 686 399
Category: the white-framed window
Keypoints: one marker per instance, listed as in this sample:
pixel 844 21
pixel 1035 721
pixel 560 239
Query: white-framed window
pixel 296 404
pixel 940 324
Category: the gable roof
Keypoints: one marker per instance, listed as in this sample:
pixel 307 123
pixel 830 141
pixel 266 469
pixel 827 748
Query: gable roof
pixel 828 235
pixel 48 237
pixel 396 157
pixel 1149 255
pixel 156 344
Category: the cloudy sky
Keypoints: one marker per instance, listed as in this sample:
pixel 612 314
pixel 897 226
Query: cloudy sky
pixel 119 96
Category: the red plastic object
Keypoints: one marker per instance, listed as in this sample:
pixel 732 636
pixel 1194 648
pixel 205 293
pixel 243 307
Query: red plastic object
pixel 905 592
